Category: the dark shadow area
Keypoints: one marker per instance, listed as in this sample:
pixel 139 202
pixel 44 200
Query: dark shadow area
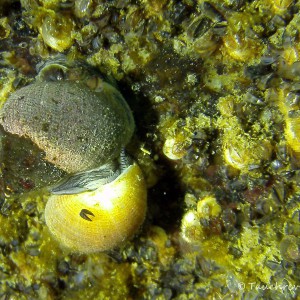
pixel 8 7
pixel 165 200
pixel 165 205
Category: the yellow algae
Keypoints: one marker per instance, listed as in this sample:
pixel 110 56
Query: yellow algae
pixel 4 28
pixel 166 252
pixel 6 87
pixel 214 89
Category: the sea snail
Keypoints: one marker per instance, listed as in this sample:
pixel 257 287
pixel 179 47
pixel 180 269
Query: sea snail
pixel 83 131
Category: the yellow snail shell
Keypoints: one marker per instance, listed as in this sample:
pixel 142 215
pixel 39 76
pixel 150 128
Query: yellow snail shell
pixel 102 219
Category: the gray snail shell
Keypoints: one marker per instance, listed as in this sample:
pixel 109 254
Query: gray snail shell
pixel 77 128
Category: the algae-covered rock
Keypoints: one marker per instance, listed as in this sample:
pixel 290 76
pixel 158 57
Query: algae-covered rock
pixel 214 90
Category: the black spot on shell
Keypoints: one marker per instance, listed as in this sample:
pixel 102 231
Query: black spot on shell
pixel 85 213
